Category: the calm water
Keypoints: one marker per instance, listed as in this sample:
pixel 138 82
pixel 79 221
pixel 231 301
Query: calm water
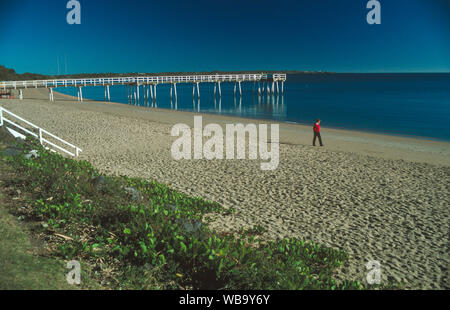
pixel 400 104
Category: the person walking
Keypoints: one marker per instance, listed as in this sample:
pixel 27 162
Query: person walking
pixel 316 129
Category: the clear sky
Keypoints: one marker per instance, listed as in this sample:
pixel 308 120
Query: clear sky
pixel 205 35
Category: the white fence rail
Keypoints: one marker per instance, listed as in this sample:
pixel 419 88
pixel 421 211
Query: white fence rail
pixel 141 80
pixel 40 133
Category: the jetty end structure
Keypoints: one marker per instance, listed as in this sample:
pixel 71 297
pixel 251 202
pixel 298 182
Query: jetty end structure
pixel 267 83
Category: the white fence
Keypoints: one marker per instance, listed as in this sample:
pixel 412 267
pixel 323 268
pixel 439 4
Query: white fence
pixel 141 80
pixel 40 133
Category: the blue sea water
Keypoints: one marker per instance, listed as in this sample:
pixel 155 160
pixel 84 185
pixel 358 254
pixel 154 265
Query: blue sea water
pixel 399 104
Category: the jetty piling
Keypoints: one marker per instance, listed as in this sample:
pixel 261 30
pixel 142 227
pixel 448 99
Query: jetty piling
pixel 137 92
pixel 50 93
pixel 80 94
pixel 151 92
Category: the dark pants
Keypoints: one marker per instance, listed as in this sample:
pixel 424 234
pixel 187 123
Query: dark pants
pixel 317 135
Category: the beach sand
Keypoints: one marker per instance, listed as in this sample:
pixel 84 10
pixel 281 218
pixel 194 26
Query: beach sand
pixel 377 197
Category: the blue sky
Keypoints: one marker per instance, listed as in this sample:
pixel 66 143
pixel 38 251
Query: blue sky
pixel 204 35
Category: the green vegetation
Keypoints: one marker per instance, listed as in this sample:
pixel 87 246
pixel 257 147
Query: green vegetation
pixel 23 263
pixel 7 74
pixel 19 268
pixel 134 233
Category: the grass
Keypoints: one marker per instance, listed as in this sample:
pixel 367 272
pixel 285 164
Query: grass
pixel 19 268
pixel 137 234
pixel 21 265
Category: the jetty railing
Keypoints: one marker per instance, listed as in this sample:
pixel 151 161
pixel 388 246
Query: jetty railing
pixel 40 133
pixel 140 80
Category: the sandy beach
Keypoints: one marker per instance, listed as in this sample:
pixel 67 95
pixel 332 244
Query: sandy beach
pixel 377 197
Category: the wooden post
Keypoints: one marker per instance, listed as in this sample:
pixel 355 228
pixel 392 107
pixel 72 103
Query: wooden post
pixel 107 94
pixel 151 92
pixel 81 93
pixel 137 92
pixel 143 93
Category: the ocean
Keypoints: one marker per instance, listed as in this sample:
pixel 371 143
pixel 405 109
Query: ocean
pixel 415 105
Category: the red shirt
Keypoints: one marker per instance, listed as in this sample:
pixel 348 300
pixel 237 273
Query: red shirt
pixel 316 127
